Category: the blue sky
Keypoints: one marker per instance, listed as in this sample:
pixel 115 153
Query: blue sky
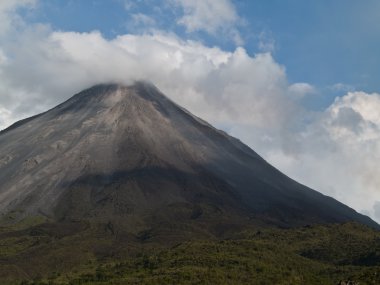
pixel 320 42
pixel 295 80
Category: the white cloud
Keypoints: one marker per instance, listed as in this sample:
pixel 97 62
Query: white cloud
pixel 142 19
pixel 266 42
pixel 338 152
pixel 224 86
pixel 299 90
pixel 210 16
pixel 7 15
pixel 341 87
pixel 376 208
pixel 3 58
pixel 129 4
pixel 5 116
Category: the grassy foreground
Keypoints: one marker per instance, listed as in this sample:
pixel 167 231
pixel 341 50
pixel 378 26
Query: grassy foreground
pixel 81 254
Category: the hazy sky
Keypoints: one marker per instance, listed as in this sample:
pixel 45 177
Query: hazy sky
pixel 296 80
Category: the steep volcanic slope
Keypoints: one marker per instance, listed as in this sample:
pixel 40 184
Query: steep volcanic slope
pixel 129 155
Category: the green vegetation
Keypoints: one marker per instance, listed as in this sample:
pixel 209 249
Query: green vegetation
pixel 9 221
pixel 80 253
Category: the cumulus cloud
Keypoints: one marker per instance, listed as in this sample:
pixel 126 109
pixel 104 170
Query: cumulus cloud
pixel 266 42
pixel 5 117
pixel 337 153
pixel 141 23
pixel 7 15
pixel 301 89
pixel 334 151
pixel 218 85
pixel 341 87
pixel 209 16
pixel 129 4
pixel 376 208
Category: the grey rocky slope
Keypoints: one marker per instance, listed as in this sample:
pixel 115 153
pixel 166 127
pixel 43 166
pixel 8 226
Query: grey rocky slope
pixel 129 155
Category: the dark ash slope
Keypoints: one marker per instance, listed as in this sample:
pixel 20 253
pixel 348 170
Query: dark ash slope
pixel 129 155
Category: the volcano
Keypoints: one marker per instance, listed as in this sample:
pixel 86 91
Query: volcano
pixel 129 157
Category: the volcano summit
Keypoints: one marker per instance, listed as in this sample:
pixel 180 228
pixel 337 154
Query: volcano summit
pixel 130 157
